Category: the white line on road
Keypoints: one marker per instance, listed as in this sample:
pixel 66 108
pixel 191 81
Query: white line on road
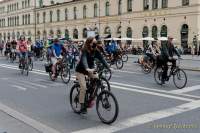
pixel 27 120
pixel 152 93
pixel 19 87
pixel 130 89
pixel 34 84
pixel 188 89
pixel 142 119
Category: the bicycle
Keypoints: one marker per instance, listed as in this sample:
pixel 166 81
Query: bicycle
pixel 103 72
pixel 95 90
pixel 177 73
pixel 30 61
pixel 62 69
pixel 115 60
pixel 24 65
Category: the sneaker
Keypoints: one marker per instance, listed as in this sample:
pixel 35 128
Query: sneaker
pixel 83 109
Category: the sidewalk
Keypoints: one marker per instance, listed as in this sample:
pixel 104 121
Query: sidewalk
pixel 8 124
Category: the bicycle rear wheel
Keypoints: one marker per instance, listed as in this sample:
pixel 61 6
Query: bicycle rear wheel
pixel 107 107
pixel 74 98
pixel 180 79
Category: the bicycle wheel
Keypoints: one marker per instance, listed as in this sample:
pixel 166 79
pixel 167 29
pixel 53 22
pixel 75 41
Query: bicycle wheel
pixel 125 57
pixel 30 64
pixel 119 63
pixel 104 84
pixel 107 74
pixel 158 75
pixel 65 75
pixel 74 98
pixel 180 78
pixel 107 107
pixel 146 68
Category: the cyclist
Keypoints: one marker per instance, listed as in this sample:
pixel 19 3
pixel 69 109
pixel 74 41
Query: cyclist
pixel 167 52
pixel 23 49
pixel 85 67
pixel 13 48
pixel 8 48
pixel 56 55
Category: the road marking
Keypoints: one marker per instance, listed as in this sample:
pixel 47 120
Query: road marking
pixel 152 93
pixel 131 89
pixel 34 84
pixel 185 90
pixel 27 120
pixel 19 87
pixel 142 119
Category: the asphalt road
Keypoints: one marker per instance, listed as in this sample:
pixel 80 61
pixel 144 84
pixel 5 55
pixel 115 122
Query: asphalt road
pixel 145 107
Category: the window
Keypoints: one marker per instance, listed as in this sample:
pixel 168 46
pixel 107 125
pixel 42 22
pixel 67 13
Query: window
pixel 95 10
pixel 41 3
pixel 44 17
pixel 129 7
pixel 66 34
pixel 154 32
pixel 22 4
pixel 185 2
pixel 163 32
pixel 107 9
pixel 75 15
pixel 26 18
pixel 146 4
pixel 29 19
pixel 22 19
pixel 25 3
pixel 84 11
pixel 164 3
pixel 58 15
pixel 28 3
pixel 84 33
pixel 154 4
pixel 59 33
pixel 38 18
pixel 129 34
pixel 66 14
pixel 51 16
pixel 75 34
pixel 120 7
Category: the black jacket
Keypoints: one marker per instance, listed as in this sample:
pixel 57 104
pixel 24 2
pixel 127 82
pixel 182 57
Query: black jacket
pixel 87 61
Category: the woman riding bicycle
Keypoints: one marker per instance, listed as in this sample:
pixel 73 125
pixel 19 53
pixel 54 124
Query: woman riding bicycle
pixel 86 67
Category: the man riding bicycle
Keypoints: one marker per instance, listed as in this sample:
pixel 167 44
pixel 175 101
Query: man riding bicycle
pixel 23 50
pixel 167 52
pixel 86 67
pixel 56 55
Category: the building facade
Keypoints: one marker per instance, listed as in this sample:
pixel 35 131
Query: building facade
pixel 119 18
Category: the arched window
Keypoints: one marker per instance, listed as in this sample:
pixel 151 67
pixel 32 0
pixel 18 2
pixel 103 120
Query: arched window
pixel 41 3
pixel 66 34
pixel 145 33
pixel 185 2
pixel 22 20
pixel 13 35
pixel 107 31
pixel 120 7
pixel 154 32
pixel 163 32
pixel 184 36
pixel 44 34
pixel 85 33
pixel 29 34
pixel 84 11
pixel 107 10
pixel 38 34
pixel 164 3
pixel 129 34
pixel 66 14
pixel 119 30
pixel 95 10
pixel 75 13
pixel 59 33
pixel 58 15
pixel 51 16
pixel 129 6
pixel 75 34
pixel 26 19
pixel 51 33
pixel 44 17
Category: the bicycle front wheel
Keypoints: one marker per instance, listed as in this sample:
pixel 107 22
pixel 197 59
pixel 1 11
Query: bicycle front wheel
pixel 180 79
pixel 65 75
pixel 158 75
pixel 74 98
pixel 107 74
pixel 107 107
pixel 119 63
